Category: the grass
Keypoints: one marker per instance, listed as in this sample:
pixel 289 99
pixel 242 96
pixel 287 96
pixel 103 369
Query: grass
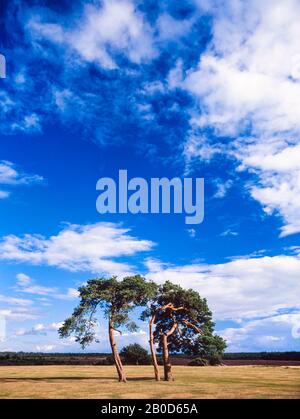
pixel 190 382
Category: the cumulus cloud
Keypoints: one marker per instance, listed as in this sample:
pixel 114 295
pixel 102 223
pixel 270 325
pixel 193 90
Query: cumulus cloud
pixel 45 348
pixel 11 176
pixel 75 50
pixel 19 313
pixel 170 29
pixel 52 292
pixel 39 329
pixel 242 288
pixel 44 338
pixel 101 33
pixel 247 83
pixel 222 188
pixel 275 333
pixel 23 279
pixel 91 247
pixel 29 286
pixel 95 58
pixel 15 301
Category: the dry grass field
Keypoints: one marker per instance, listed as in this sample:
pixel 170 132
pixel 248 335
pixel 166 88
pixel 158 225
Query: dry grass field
pixel 190 382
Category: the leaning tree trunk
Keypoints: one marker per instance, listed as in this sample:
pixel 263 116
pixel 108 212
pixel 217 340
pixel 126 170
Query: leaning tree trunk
pixel 115 353
pixel 166 358
pixel 152 349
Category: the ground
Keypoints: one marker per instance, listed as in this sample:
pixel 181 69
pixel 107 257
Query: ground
pixel 190 382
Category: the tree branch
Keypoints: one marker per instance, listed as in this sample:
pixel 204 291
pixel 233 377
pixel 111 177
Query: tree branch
pixel 191 325
pixel 172 330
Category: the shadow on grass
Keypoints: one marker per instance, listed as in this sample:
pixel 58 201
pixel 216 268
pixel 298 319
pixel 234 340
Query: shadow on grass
pixel 13 380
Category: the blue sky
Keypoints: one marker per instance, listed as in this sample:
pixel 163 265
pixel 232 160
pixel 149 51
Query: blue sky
pixel 197 88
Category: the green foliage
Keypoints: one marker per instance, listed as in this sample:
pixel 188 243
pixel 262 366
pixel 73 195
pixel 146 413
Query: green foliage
pixel 208 346
pixel 215 359
pixel 194 312
pixel 115 298
pixel 198 362
pixel 135 354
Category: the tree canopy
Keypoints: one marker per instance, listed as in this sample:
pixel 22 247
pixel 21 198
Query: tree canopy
pixel 116 299
pixel 183 324
pixel 179 319
pixel 135 354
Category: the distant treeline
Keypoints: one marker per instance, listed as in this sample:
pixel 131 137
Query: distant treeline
pixel 38 358
pixel 274 356
pixel 22 354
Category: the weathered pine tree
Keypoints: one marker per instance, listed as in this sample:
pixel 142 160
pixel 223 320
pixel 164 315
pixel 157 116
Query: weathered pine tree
pixel 115 299
pixel 180 321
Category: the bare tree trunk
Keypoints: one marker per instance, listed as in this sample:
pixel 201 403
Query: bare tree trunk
pixel 166 358
pixel 152 349
pixel 164 342
pixel 115 353
pixel 167 363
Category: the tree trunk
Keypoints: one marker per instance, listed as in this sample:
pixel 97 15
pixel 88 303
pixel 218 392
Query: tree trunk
pixel 166 358
pixel 115 353
pixel 164 343
pixel 152 349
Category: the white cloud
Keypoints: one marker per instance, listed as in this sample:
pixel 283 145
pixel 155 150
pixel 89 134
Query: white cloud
pixel 71 293
pixel 19 313
pixel 9 175
pixel 15 301
pixel 175 76
pixel 282 193
pixel 28 285
pixel 171 29
pixel 138 333
pixel 45 348
pixel 198 146
pixel 90 247
pixel 39 290
pixel 39 329
pixel 242 288
pixel 55 326
pixel 222 188
pixel 229 232
pixel 247 83
pixel 4 194
pixel 274 333
pixel 102 32
pixel 46 334
pixel 191 232
pixel 23 279
pixel 29 122
pixel 2 328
